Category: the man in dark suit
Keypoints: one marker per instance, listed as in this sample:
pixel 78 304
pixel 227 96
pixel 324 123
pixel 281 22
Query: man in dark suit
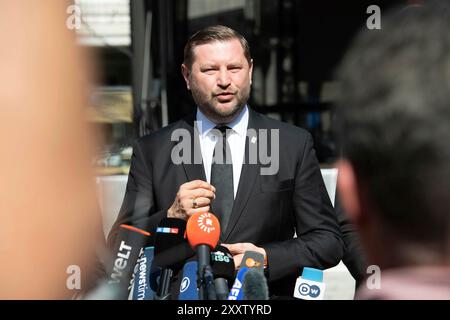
pixel 268 186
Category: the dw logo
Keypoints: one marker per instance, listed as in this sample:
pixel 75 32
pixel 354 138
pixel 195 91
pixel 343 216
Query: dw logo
pixel 312 291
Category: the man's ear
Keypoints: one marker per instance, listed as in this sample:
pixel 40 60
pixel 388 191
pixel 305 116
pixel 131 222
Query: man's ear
pixel 349 192
pixel 186 73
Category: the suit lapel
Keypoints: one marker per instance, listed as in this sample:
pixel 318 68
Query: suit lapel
pixel 249 173
pixel 194 170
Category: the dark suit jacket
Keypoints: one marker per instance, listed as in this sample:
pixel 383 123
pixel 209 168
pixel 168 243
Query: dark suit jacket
pixel 268 209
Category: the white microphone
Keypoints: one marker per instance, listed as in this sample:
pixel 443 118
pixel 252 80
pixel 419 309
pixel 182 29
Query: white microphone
pixel 310 285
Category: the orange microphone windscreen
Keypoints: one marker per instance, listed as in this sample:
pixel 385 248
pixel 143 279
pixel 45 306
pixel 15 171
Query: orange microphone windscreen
pixel 128 227
pixel 203 228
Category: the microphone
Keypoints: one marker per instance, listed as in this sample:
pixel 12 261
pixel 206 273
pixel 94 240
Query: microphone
pixel 130 241
pixel 253 259
pixel 188 286
pixel 203 232
pixel 144 260
pixel 250 260
pixel 236 292
pixel 310 285
pixel 145 275
pixel 133 275
pixel 174 256
pixel 169 234
pixel 255 285
pixel 222 264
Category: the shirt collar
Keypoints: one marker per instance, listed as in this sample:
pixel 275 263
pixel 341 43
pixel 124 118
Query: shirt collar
pixel 238 125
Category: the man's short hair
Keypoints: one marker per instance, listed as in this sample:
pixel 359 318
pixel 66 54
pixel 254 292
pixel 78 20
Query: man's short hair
pixel 212 34
pixel 394 113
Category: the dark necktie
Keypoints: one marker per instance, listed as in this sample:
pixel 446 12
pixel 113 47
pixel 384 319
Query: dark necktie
pixel 222 179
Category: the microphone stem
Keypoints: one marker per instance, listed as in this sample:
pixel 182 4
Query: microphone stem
pixel 204 253
pixel 164 285
pixel 221 288
pixel 210 287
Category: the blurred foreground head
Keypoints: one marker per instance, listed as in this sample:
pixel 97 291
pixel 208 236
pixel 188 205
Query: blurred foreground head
pixel 47 199
pixel 395 129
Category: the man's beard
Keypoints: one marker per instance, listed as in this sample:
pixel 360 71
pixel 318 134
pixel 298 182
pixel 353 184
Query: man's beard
pixel 207 105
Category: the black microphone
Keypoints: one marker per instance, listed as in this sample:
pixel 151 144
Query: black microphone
pixel 129 243
pixel 169 234
pixel 255 285
pixel 144 254
pixel 175 255
pixel 222 264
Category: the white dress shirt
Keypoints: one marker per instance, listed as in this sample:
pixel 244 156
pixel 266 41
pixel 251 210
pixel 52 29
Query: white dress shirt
pixel 236 139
